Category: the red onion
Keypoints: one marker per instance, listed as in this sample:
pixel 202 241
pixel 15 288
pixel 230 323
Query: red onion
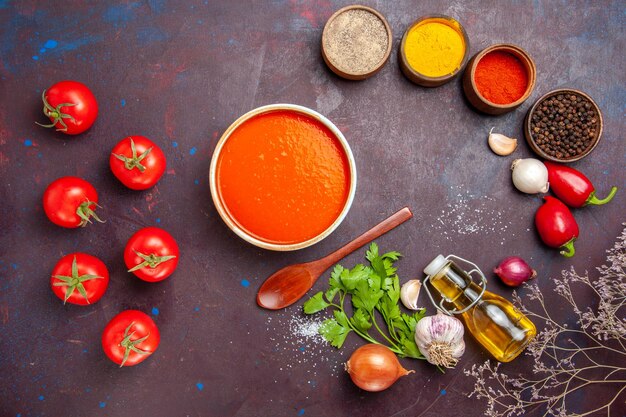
pixel 514 271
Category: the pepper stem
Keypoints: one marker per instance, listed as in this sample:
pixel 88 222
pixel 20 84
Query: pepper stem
pixel 595 201
pixel 568 249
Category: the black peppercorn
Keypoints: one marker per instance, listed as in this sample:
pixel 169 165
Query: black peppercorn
pixel 564 125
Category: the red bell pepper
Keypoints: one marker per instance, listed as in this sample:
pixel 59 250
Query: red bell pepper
pixel 556 226
pixel 572 187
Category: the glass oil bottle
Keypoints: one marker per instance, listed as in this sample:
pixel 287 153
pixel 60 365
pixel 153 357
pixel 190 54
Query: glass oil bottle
pixel 495 323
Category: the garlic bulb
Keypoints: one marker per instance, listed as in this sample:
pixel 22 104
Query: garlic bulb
pixel 409 292
pixel 500 144
pixel 530 176
pixel 440 339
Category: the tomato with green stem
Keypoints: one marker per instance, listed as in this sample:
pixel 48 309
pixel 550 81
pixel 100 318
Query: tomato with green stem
pixel 79 278
pixel 70 202
pixel 70 106
pixel 137 162
pixel 130 338
pixel 151 254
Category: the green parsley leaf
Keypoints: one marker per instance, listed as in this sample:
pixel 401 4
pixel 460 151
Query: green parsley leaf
pixel 372 252
pixel 361 320
pixel 351 278
pixel 335 278
pixel 378 266
pixel 394 256
pixel 392 287
pixel 315 304
pixel 333 332
pixel 336 330
pixel 389 309
pixel 409 347
pixel 330 294
pixel 366 297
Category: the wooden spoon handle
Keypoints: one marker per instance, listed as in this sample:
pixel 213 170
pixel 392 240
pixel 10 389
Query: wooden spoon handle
pixel 380 229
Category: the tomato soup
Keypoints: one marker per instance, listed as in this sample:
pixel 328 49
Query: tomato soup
pixel 283 177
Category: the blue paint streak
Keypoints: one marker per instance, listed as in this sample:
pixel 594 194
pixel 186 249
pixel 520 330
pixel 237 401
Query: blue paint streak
pixel 123 102
pixel 14 265
pixel 443 392
pixel 301 412
pixel 120 14
pixel 42 50
pixel 102 404
pixel 196 181
pixel 301 348
pixel 157 6
pixel 84 350
pixel 35 57
pixel 50 44
pixel 4 4
pixel 147 35
pixel 245 283
pixel 78 42
pixel 196 309
pixel 158 220
pixel 174 144
pixel 28 142
pixel 200 386
pixel 40 398
pixel 193 151
pixel 155 311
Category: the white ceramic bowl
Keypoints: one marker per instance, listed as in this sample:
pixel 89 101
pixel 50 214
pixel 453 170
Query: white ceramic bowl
pixel 220 206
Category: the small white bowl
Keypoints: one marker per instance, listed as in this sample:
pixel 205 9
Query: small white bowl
pixel 215 190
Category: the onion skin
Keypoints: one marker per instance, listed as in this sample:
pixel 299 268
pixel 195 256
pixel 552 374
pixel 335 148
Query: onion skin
pixel 530 176
pixel 514 271
pixel 374 368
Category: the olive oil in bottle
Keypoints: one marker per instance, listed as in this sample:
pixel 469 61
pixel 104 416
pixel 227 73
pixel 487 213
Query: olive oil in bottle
pixel 495 323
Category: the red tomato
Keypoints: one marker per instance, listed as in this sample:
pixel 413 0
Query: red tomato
pixel 79 278
pixel 151 254
pixel 70 202
pixel 130 337
pixel 137 162
pixel 70 106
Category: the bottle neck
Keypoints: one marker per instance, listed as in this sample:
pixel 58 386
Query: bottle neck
pixel 455 286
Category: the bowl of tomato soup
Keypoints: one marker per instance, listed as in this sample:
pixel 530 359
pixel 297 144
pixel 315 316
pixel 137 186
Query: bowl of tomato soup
pixel 282 177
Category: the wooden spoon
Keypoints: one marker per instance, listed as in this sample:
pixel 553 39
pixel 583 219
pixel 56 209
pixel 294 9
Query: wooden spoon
pixel 289 284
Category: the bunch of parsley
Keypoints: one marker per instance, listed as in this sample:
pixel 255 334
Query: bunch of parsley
pixel 371 288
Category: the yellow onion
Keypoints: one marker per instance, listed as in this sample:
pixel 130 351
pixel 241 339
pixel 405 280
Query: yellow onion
pixel 374 367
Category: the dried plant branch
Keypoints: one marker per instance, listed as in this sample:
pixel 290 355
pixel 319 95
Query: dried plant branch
pixel 567 360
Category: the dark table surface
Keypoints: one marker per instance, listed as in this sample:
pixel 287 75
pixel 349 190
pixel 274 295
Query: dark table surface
pixel 180 72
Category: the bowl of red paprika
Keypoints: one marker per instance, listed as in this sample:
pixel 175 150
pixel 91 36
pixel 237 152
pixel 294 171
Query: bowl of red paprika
pixel 499 78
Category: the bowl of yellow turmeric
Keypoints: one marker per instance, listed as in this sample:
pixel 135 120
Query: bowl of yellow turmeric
pixel 434 50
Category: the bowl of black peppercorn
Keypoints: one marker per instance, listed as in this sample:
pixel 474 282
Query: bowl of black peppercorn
pixel 563 125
